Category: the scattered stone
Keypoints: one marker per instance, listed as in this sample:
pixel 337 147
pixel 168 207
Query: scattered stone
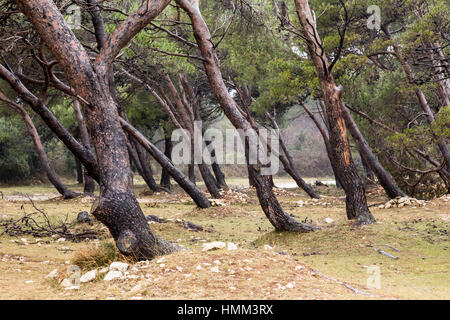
pixel 153 218
pixel 215 269
pixel 329 220
pixel 52 274
pixel 66 283
pixel 84 217
pixel 217 203
pixel 111 275
pixel 290 285
pixel 103 270
pixel 118 266
pixel 401 202
pixel 214 245
pixel 89 276
pixel 136 289
pixel 192 226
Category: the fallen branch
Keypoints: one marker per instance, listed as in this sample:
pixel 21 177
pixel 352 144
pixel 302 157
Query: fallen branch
pixel 28 225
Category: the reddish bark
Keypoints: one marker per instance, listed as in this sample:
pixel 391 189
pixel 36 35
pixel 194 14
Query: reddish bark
pixel 356 202
pixel 117 208
pixel 278 218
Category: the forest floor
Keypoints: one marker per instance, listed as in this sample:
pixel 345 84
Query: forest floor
pixel 333 263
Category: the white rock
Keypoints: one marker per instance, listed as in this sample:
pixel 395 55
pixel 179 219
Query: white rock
pixel 88 276
pixel 136 288
pixel 103 270
pixel 214 245
pixel 118 266
pixel 267 247
pixel 160 260
pixel 199 267
pixel 231 246
pixel 52 274
pixel 66 283
pixel 61 240
pixel 298 267
pixel 215 269
pixel 290 285
pixel 329 220
pixel 29 281
pixel 112 275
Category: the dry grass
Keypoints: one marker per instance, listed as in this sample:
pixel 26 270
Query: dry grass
pixel 286 272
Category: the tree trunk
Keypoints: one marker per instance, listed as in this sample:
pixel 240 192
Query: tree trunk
pixel 165 176
pixel 117 207
pixel 370 177
pixel 79 169
pixel 384 177
pixel 220 177
pixel 89 184
pixel 289 166
pixel 323 131
pixel 356 202
pixel 51 174
pixel 176 174
pixel 420 95
pixel 210 181
pixel 279 219
pixel 147 173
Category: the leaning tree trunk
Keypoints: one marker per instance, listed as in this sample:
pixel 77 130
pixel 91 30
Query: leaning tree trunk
pixel 176 174
pixel 147 172
pixel 356 202
pixel 323 131
pixel 384 177
pixel 89 184
pixel 51 174
pixel 117 207
pixel 370 177
pixel 420 95
pixel 271 207
pixel 165 176
pixel 220 177
pixel 289 165
pixel 79 169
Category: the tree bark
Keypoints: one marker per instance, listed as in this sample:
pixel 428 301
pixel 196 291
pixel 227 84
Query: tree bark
pixel 324 133
pixel 271 207
pixel 419 93
pixel 50 172
pixel 370 177
pixel 356 202
pixel 79 169
pixel 176 174
pixel 220 177
pixel 289 166
pixel 165 176
pixel 384 177
pixel 117 207
pixel 147 173
pixel 89 184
